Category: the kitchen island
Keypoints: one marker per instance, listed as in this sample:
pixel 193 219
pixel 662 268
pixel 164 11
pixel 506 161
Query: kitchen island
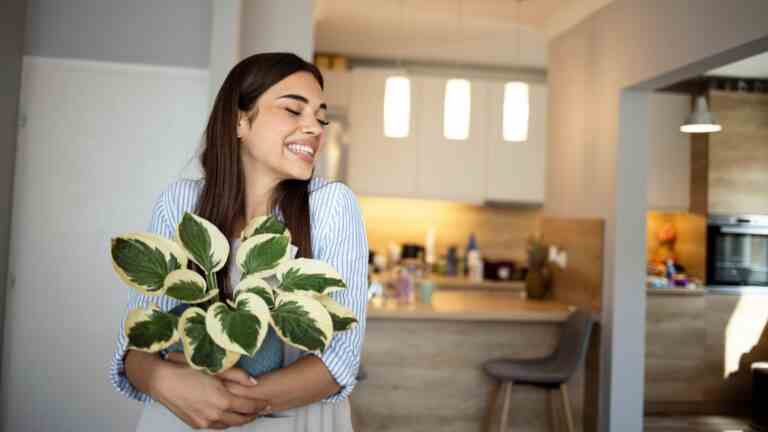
pixel 424 361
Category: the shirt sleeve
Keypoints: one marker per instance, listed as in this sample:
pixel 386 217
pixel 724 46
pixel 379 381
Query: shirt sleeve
pixel 159 224
pixel 344 245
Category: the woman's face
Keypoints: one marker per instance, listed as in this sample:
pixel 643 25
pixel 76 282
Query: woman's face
pixel 281 136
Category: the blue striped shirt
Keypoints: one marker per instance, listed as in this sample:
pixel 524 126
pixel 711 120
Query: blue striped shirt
pixel 338 238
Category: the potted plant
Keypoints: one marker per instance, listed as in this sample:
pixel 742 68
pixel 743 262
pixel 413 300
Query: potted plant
pixel 278 297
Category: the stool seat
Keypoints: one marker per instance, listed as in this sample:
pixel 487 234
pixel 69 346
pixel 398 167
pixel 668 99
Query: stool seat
pixel 544 372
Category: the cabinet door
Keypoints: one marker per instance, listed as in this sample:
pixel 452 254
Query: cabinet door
pixel 516 169
pixel 669 167
pixel 378 165
pixel 450 169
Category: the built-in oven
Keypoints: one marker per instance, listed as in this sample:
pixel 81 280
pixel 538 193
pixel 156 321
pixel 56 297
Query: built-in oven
pixel 737 251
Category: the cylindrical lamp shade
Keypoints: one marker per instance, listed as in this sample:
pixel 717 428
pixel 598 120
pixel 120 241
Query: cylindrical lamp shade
pixel 457 109
pixel 397 107
pixel 516 112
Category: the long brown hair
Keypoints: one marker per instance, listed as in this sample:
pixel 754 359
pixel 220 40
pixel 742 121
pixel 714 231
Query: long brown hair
pixel 222 200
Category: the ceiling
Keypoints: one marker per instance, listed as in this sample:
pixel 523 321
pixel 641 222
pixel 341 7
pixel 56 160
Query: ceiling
pixel 488 32
pixel 753 67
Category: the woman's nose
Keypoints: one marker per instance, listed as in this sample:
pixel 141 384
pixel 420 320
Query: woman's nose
pixel 312 127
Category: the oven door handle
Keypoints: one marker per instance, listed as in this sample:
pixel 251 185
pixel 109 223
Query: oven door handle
pixel 739 230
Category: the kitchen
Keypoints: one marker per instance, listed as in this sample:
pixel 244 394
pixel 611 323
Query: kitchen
pixel 425 349
pixel 414 200
pixel 451 215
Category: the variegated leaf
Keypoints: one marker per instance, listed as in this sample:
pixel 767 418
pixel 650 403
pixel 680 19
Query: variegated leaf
pixel 201 351
pixel 150 329
pixel 302 322
pixel 261 254
pixel 187 286
pixel 305 274
pixel 203 241
pixel 343 318
pixel 241 329
pixel 258 286
pixel 264 225
pixel 170 248
pixel 143 260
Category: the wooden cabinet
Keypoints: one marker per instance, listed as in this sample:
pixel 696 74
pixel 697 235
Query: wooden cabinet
pixel 738 156
pixel 669 164
pixel 425 164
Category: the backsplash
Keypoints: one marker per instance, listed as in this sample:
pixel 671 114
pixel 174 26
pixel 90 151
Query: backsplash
pixel 691 243
pixel 500 233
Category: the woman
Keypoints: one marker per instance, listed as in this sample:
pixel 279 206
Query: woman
pixel 263 134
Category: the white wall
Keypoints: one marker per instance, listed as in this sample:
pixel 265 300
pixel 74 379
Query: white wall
pixel 599 146
pixel 101 141
pixel 135 31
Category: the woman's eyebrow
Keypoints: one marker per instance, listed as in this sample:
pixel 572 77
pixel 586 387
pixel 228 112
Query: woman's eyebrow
pixel 301 98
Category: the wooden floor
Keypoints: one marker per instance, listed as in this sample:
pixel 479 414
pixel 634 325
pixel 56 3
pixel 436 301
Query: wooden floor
pixel 697 424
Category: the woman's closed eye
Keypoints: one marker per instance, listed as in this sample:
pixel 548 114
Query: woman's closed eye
pixel 294 112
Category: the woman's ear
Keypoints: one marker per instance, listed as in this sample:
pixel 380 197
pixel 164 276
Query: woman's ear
pixel 242 123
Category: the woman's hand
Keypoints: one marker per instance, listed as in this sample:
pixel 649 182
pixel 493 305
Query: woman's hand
pixel 201 400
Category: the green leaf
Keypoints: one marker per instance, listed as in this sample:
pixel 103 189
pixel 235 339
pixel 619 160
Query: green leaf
pixel 302 322
pixel 258 286
pixel 139 263
pixel 187 286
pixel 241 329
pixel 204 243
pixel 261 254
pixel 264 225
pixel 342 317
pixel 309 275
pixel 150 329
pixel 201 351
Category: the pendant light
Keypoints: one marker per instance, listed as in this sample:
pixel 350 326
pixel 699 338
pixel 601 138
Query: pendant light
pixel 701 120
pixel 457 105
pixel 516 98
pixel 397 100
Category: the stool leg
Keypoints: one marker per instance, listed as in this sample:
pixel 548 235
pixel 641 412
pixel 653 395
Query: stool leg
pixel 554 421
pixel 567 407
pixel 492 400
pixel 507 386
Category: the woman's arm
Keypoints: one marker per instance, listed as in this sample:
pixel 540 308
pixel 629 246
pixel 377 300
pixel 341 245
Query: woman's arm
pixel 199 400
pixel 305 381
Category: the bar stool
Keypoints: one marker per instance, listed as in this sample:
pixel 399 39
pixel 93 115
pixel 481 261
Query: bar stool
pixel 550 372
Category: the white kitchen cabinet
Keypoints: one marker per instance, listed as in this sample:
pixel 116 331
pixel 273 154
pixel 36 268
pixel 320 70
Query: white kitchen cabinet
pixel 378 165
pixel 450 169
pixel 516 170
pixel 669 163
pixel 425 164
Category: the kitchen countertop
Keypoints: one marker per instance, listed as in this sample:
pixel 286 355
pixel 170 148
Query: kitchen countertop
pixel 462 283
pixel 470 305
pixel 700 291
